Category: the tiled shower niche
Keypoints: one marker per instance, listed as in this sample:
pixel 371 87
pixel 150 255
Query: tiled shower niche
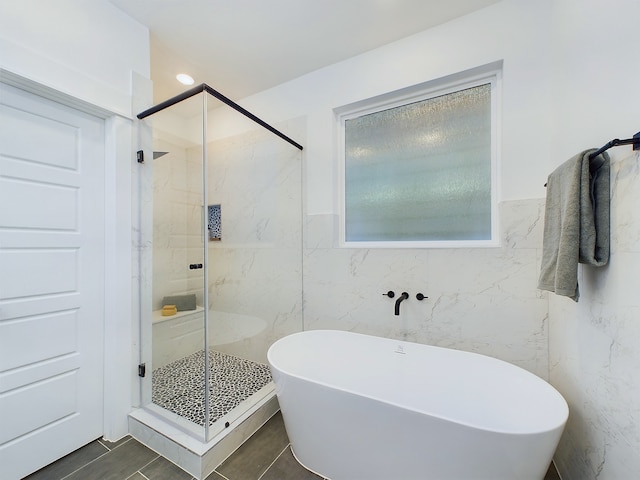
pixel 214 222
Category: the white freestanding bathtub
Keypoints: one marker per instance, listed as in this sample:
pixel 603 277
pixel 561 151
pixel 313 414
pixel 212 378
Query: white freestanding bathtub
pixel 358 407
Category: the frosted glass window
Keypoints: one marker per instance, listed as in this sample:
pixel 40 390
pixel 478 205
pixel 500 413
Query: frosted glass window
pixel 421 171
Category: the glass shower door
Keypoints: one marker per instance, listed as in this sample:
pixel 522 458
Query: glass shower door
pixel 254 195
pixel 225 265
pixel 178 359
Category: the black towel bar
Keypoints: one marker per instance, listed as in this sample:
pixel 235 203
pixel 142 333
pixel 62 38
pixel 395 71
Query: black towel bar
pixel 635 141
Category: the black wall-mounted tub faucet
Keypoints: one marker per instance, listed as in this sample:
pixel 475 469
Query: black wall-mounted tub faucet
pixel 402 297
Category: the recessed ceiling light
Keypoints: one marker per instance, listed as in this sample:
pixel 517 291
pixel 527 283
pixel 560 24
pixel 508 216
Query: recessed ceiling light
pixel 185 79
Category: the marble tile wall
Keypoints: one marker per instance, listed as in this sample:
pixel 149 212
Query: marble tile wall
pixel 255 271
pixel 177 221
pixel 483 300
pixel 594 354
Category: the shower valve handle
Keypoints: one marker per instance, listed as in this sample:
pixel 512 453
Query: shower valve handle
pixel 390 294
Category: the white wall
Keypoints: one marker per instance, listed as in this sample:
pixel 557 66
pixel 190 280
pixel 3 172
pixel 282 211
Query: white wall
pixel 516 31
pixel 482 300
pixel 90 51
pixel 87 49
pixel 569 83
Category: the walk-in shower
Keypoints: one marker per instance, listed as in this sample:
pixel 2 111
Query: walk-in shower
pixel 221 258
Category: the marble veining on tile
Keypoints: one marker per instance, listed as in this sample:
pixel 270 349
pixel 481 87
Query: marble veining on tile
pixel 483 300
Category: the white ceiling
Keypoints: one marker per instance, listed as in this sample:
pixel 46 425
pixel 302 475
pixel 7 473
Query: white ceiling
pixel 240 47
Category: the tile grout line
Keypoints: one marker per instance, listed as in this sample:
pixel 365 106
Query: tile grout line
pixel 88 463
pixel 112 449
pixel 218 473
pixel 99 457
pixel 100 442
pixel 274 460
pixel 149 462
pixel 139 473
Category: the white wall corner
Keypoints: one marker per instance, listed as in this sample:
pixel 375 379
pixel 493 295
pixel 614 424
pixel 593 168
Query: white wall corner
pixel 119 331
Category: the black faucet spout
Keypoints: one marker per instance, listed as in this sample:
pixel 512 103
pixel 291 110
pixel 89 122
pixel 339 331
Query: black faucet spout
pixel 402 297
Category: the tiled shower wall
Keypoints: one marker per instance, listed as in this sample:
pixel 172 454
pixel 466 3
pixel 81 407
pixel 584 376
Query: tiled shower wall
pixel 255 270
pixel 483 300
pixel 479 299
pixel 177 215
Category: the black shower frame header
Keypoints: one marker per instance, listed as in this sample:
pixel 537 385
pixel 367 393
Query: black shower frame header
pixel 206 88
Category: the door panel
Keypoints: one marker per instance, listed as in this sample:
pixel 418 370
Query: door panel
pixel 39 271
pixel 51 280
pixel 62 325
pixel 60 392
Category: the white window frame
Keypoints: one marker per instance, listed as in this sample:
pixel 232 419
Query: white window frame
pixel 489 74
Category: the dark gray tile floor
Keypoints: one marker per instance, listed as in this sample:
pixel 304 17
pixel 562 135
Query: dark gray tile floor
pixel 265 456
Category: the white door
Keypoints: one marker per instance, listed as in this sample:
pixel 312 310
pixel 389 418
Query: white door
pixel 51 280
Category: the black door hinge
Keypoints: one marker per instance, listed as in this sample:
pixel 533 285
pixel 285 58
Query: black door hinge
pixel 142 370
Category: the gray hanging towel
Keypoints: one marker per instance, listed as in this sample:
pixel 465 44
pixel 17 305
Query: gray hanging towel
pixel 576 224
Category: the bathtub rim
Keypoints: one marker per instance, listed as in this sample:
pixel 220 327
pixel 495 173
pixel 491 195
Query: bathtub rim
pixel 562 403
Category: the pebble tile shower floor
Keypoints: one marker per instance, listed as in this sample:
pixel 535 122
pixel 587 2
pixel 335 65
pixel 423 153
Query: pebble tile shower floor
pixel 178 386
